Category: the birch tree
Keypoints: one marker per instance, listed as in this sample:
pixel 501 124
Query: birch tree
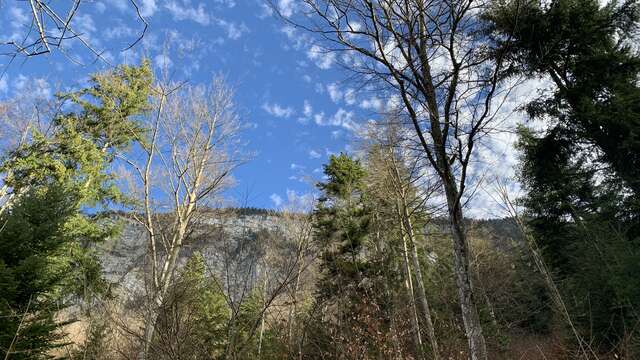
pixel 188 156
pixel 434 58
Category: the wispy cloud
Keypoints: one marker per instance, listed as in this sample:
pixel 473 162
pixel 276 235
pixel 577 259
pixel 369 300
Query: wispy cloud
pixel 234 31
pixel 276 199
pixel 3 84
pixel 372 103
pixel 278 110
pixel 162 61
pixel 186 12
pixel 286 7
pixel 341 118
pixel 148 7
pixel 334 92
pixel 322 58
pixel 18 17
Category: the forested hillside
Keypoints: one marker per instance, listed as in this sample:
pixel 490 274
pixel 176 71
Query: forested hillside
pixel 476 194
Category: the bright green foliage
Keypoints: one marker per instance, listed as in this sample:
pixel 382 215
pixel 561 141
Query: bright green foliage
pixel 111 101
pixel 45 257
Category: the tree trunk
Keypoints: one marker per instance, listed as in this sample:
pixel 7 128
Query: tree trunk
pixel 422 294
pixel 264 314
pixel 415 325
pixel 150 324
pixel 470 318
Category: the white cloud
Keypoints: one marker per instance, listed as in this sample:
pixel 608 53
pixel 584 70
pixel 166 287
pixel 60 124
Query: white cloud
pixel 3 84
pixel 298 39
pixel 350 96
pixel 84 23
pixel 265 10
pixel 300 201
pixel 314 154
pixel 186 12
pixel 286 7
pixel 18 17
pixel 337 94
pixel 228 3
pixel 334 92
pixel 322 58
pixel 278 111
pixel 341 118
pixel 39 87
pixel 162 61
pixel 344 119
pixel 319 119
pixel 276 199
pixel 120 4
pixel 100 7
pixel 118 31
pixel 373 103
pixel 307 112
pixel 234 31
pixel 308 109
pixel 148 7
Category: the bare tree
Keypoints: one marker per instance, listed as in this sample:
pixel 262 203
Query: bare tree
pixel 187 161
pixel 434 58
pixel 397 174
pixel 299 227
pixel 50 26
pixel 287 254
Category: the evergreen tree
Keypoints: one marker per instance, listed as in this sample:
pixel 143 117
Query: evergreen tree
pixel 588 52
pixel 45 253
pixel 342 224
pixel 350 290
pixel 582 174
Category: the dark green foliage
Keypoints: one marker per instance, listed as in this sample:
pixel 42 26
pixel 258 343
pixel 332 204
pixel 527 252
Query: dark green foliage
pixel 352 300
pixel 582 175
pixel 342 224
pixel 198 321
pixel 45 258
pixel 586 50
pixel 584 228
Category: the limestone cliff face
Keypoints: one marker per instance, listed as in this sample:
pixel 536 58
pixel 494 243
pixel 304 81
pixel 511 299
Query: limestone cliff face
pixel 232 246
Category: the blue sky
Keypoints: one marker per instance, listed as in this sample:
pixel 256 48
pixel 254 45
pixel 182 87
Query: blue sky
pixel 295 101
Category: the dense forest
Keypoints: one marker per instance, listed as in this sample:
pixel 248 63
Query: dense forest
pixel 118 239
